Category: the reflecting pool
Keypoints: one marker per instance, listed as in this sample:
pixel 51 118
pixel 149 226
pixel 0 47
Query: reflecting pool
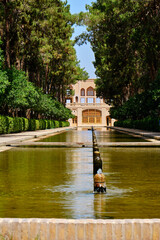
pixel 85 135
pixel 58 183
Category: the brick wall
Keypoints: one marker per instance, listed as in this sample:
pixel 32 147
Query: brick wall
pixel 61 229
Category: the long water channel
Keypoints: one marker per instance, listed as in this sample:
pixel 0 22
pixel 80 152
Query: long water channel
pixel 58 182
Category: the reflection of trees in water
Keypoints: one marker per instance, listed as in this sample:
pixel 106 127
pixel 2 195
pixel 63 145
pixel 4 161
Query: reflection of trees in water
pixel 59 183
pixel 132 179
pixel 70 136
pixel 44 182
pixel 28 179
pixel 109 135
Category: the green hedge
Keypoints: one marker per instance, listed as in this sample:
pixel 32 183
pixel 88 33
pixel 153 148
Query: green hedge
pixel 25 124
pixel 10 124
pixel 42 124
pixel 33 124
pixel 151 124
pixel 3 124
pixel 56 124
pixel 63 124
pixel 17 124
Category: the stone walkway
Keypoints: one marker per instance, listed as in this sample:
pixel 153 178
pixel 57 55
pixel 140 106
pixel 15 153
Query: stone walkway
pixel 7 139
pixel 28 139
pixel 143 133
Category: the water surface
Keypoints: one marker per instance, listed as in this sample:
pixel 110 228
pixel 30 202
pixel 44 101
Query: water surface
pixel 58 183
pixel 85 135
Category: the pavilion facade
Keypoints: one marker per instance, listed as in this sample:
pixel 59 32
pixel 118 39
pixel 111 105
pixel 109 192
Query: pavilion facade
pixel 89 110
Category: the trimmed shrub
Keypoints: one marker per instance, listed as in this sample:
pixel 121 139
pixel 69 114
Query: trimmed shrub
pixel 33 124
pixel 52 124
pixel 10 124
pixel 37 124
pixel 3 124
pixel 149 123
pixel 17 124
pixel 42 124
pixel 25 124
pixel 64 124
pixel 47 124
pixel 56 124
pixel 67 124
pixel 60 123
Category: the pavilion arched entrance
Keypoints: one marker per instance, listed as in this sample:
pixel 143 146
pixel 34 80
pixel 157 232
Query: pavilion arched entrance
pixel 91 116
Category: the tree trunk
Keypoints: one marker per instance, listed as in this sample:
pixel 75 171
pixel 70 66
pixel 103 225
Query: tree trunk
pixel 152 72
pixel 28 113
pixel 59 93
pixel 50 86
pixel 22 63
pixel 38 79
pixel 63 95
pixel 46 78
pixel 7 30
pixel 18 64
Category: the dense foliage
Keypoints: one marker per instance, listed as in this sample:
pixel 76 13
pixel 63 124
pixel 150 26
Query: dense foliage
pixel 37 58
pixel 18 124
pixel 36 38
pixel 148 123
pixel 141 105
pixel 141 111
pixel 125 38
pixel 19 97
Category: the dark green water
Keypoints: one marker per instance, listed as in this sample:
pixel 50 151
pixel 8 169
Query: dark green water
pixel 58 183
pixel 83 135
pixel 113 136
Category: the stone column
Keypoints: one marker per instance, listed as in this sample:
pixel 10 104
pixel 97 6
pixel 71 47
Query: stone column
pixel 79 116
pixel 104 117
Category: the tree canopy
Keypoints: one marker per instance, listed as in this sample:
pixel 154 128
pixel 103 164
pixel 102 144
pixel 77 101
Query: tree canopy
pixel 36 38
pixel 39 56
pixel 19 97
pixel 125 38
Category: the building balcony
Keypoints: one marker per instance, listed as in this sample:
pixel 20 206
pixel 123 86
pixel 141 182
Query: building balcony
pixel 86 105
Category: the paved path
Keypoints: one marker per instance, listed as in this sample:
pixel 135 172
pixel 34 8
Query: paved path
pixel 143 133
pixel 7 139
pixel 28 139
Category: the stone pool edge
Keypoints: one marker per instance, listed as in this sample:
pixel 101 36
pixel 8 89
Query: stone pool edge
pixel 148 135
pixel 6 140
pixel 83 229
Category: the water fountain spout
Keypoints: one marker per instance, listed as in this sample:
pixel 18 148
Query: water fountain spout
pixel 99 178
pixel 99 182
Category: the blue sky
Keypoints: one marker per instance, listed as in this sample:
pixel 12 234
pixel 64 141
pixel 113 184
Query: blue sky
pixel 84 52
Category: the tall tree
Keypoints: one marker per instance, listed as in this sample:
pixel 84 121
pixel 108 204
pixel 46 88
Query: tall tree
pixel 125 37
pixel 37 39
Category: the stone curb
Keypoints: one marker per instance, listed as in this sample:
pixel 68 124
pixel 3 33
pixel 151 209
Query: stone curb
pixel 23 136
pixel 146 134
pixel 88 229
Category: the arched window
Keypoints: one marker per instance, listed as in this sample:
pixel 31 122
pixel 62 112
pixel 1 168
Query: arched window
pixel 90 91
pixel 82 92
